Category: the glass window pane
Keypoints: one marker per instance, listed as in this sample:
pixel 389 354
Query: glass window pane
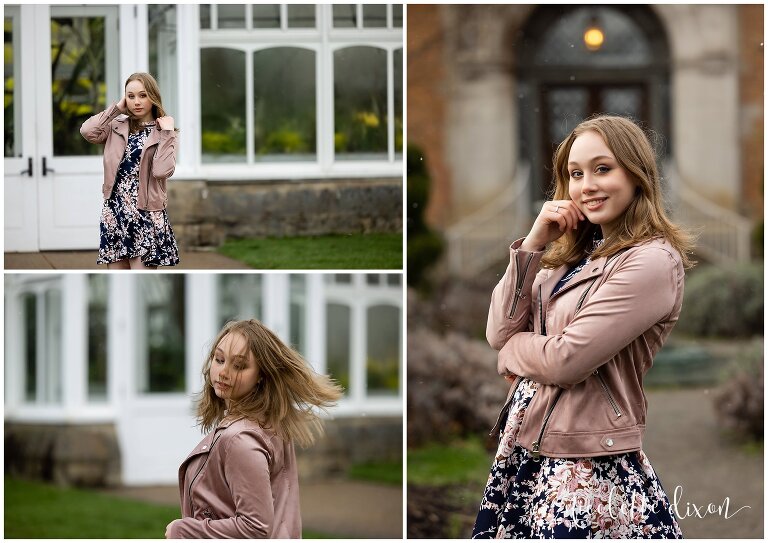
pixel 222 82
pixel 163 323
pixel 337 342
pixel 398 89
pixel 374 15
pixel 397 15
pixel 344 15
pixel 394 279
pixel 52 342
pixel 12 146
pixel 266 15
pixel 372 279
pixel 284 104
pixel 97 337
pixel 162 52
pixel 230 15
pixel 301 16
pixel 240 297
pixel 78 68
pixel 29 304
pixel 205 16
pixel 298 293
pixel 383 340
pixel 339 278
pixel 360 106
pixel 625 44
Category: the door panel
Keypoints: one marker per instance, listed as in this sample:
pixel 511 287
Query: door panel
pixel 74 52
pixel 83 76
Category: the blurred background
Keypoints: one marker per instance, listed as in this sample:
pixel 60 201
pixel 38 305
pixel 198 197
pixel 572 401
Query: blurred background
pixel 101 372
pixel 290 119
pixel 491 91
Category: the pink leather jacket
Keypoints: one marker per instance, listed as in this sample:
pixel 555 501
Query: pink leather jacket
pixel 589 345
pixel 158 158
pixel 239 482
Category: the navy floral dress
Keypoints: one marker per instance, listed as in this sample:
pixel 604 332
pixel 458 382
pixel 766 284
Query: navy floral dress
pixel 616 496
pixel 127 231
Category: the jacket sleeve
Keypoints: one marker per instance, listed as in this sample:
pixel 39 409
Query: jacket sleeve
pixel 642 291
pixel 511 299
pixel 164 163
pixel 96 128
pixel 246 467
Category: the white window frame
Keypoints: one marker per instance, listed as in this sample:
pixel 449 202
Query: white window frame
pixel 324 40
pixel 359 296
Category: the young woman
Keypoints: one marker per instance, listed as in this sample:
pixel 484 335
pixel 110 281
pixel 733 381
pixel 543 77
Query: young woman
pixel 588 299
pixel 241 480
pixel 139 156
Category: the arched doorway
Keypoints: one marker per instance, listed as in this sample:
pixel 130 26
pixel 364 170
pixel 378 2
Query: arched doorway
pixel 563 80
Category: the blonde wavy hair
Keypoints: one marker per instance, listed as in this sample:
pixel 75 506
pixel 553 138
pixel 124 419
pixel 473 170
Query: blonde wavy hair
pixel 153 93
pixel 644 219
pixel 285 395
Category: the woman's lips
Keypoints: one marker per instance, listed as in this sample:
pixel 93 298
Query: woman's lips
pixel 593 205
pixel 222 385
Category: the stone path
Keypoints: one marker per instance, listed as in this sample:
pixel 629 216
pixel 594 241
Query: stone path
pixel 689 453
pixel 350 509
pixel 86 260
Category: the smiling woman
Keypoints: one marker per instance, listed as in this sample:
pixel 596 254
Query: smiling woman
pixel 576 337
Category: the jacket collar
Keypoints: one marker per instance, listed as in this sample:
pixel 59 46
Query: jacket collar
pixel 122 127
pixel 594 268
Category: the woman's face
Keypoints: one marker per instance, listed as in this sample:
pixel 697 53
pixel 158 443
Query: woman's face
pixel 597 184
pixel 233 374
pixel 138 101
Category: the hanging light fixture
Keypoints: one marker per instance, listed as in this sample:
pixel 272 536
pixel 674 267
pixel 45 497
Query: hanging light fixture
pixel 593 35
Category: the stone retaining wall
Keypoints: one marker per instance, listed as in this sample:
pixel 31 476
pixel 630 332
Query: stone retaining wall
pixel 207 213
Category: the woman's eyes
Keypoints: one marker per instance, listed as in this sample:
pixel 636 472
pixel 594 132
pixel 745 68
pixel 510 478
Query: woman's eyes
pixel 238 367
pixel 575 174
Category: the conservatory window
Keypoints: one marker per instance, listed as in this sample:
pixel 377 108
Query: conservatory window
pixel 42 345
pixel 161 329
pixel 264 98
pixel 240 297
pixel 98 290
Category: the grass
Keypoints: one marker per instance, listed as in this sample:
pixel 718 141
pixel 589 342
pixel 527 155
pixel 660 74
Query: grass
pixel 40 511
pixel 338 252
pixel 459 462
pixel 390 473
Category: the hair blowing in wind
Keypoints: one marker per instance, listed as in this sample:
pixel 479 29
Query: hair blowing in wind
pixel 287 394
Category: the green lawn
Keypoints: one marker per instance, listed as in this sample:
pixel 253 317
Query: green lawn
pixel 459 462
pixel 40 511
pixel 333 252
pixel 390 473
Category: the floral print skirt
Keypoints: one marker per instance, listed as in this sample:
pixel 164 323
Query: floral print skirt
pixel 128 232
pixel 616 496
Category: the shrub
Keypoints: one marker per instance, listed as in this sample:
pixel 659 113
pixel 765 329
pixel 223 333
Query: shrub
pixel 739 403
pixel 723 302
pixel 424 245
pixel 453 387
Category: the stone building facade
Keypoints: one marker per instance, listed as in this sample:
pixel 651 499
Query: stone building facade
pixel 477 97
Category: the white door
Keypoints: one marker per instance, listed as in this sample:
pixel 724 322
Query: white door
pixel 20 146
pixel 74 52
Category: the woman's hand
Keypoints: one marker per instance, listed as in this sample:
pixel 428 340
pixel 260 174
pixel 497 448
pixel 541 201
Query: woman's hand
pixel 168 529
pixel 122 105
pixel 554 219
pixel 165 123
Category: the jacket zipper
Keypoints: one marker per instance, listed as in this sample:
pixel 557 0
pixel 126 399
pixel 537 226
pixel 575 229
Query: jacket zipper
pixel 189 489
pixel 497 427
pixel 535 446
pixel 608 393
pixel 519 287
pixel 542 322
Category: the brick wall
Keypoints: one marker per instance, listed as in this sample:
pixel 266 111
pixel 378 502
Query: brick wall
pixel 427 103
